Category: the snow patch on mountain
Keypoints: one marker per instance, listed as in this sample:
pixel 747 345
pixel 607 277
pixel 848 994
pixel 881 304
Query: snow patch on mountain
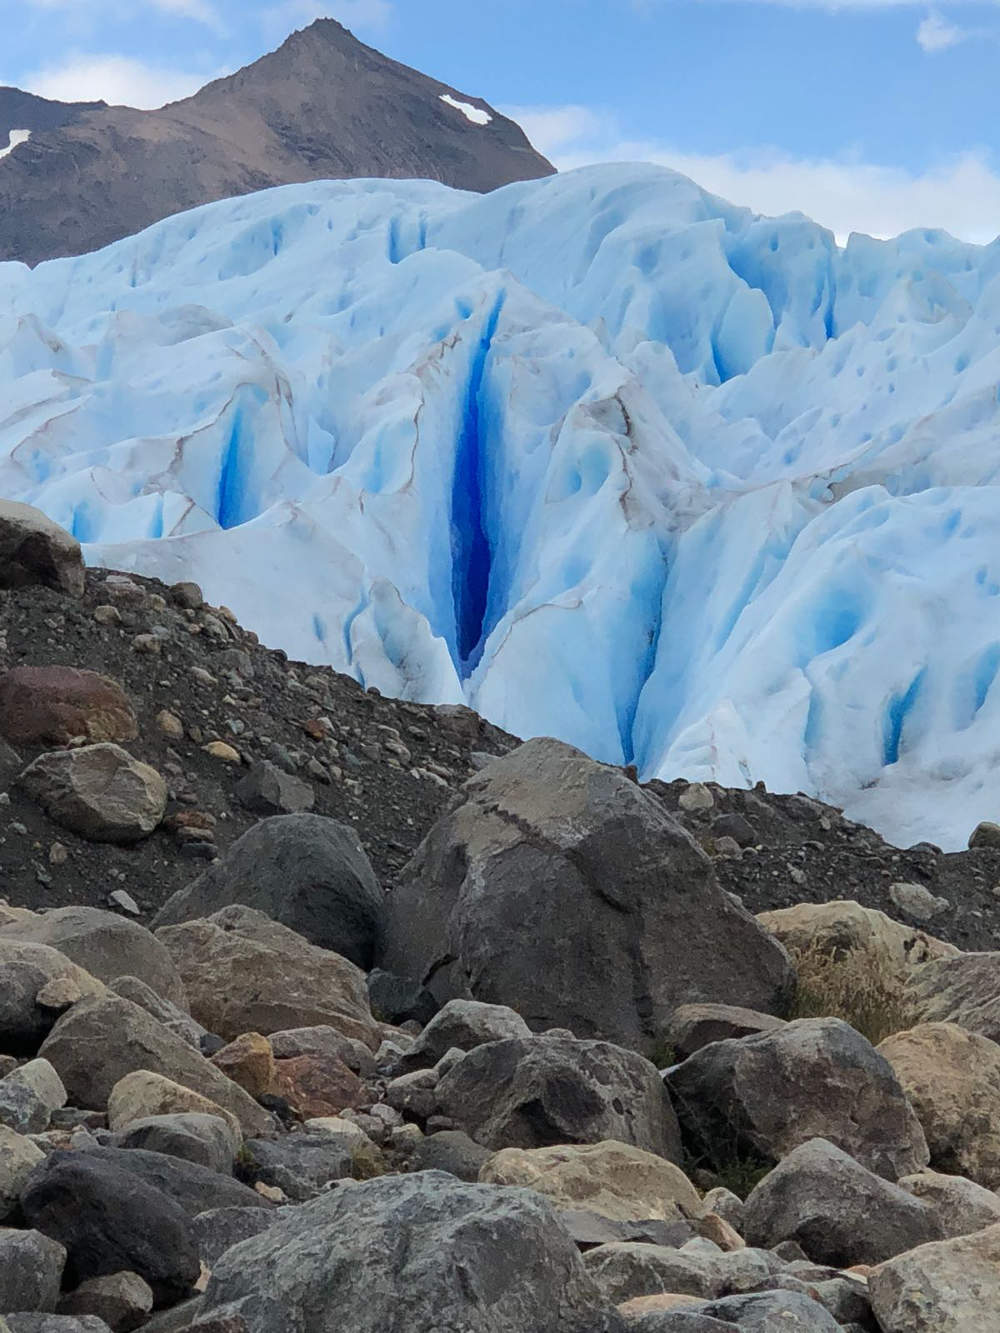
pixel 14 139
pixel 475 114
pixel 601 455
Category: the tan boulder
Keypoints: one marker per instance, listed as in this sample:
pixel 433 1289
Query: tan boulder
pixel 614 1180
pixel 244 972
pixel 18 1158
pixel 248 1061
pixel 962 1206
pixel 99 792
pixel 947 1286
pixel 952 1079
pixel 963 990
pixel 101 1039
pixel 142 1094
pixel 662 1303
pixel 843 926
pixel 54 705
pixel 36 551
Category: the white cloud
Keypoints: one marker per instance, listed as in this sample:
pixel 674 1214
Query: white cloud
pixel 937 34
pixel 113 78
pixel 201 11
pixel 962 196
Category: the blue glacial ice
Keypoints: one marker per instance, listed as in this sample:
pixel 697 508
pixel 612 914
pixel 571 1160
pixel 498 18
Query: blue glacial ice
pixel 601 455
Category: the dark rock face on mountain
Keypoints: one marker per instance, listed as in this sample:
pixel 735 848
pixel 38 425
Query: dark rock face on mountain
pixel 323 106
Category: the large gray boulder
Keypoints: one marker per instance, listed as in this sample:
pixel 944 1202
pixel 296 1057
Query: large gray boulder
pixel 110 1221
pixel 306 871
pixel 461 1025
pixel 837 1211
pixel 773 1312
pixel 206 1140
pixel 539 1091
pixel 194 1188
pixel 616 910
pixel 422 1253
pixel 31 1269
pixel 963 990
pixel 949 1286
pixel 36 551
pixel 104 944
pixel 760 1097
pixel 100 1040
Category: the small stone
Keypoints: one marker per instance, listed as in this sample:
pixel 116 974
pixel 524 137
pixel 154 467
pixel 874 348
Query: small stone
pixel 58 994
pixel 123 1300
pixel 226 754
pixel 107 615
pixel 202 676
pixel 124 902
pixel 170 725
pixel 188 596
pixel 150 644
pixel 58 854
pixel 271 1192
pixel 727 847
pixel 697 797
pixel 917 902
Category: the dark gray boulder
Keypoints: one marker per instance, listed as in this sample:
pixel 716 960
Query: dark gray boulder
pixel 305 871
pixel 399 999
pixel 537 1092
pixel 193 1188
pixel 219 1229
pixel 32 1322
pixel 269 790
pixel 423 1253
pixel 450 1150
pixel 461 1025
pixel 761 1096
pixel 679 1321
pixel 693 1026
pixel 840 1213
pixel 774 1312
pixel 616 910
pixel 111 1221
pixel 205 1140
pixel 31 1269
pixel 302 1165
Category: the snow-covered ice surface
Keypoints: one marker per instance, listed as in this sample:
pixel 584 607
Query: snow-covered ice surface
pixel 602 455
pixel 14 139
pixel 475 114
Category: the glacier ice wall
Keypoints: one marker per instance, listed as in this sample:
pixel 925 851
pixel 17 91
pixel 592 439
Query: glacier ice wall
pixel 602 455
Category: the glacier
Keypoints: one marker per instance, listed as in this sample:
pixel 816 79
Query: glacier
pixel 601 455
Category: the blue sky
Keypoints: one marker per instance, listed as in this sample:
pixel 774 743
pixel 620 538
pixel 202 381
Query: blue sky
pixel 870 115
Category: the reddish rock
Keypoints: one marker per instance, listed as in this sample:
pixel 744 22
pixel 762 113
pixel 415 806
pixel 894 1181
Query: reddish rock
pixel 317 1087
pixel 55 705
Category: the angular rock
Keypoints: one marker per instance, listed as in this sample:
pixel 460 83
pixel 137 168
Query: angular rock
pixel 601 886
pixel 326 1042
pixel 693 1026
pixel 438 1254
pixel 248 1061
pixel 104 944
pixel 55 705
pixel 962 1206
pixel 18 1158
pixel 142 1095
pixel 462 1025
pixel 100 1040
pixel 951 1286
pixel 985 834
pixel 963 990
pixel 840 1213
pixel 172 1017
pixel 98 792
pixel 302 1165
pixel 31 1269
pixel 307 872
pixel 540 1091
pixel 627 1270
pixel 916 902
pixel 29 1095
pixel 110 1221
pixel 453 1151
pixel 123 1300
pixel 245 973
pixel 952 1078
pixel 763 1096
pixel 54 1323
pixel 28 1007
pixel 611 1179
pixel 36 551
pixel 219 1229
pixel 773 1312
pixel 193 1188
pixel 315 1086
pixel 206 1140
pixel 399 999
pixel 269 790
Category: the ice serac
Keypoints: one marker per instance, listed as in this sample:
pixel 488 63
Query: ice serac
pixel 602 455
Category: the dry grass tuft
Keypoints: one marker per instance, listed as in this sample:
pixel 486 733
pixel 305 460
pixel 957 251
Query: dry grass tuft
pixel 863 988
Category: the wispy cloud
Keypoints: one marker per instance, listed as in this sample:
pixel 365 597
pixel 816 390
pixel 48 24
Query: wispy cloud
pixel 961 196
pixel 84 11
pixel 114 78
pixel 938 34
